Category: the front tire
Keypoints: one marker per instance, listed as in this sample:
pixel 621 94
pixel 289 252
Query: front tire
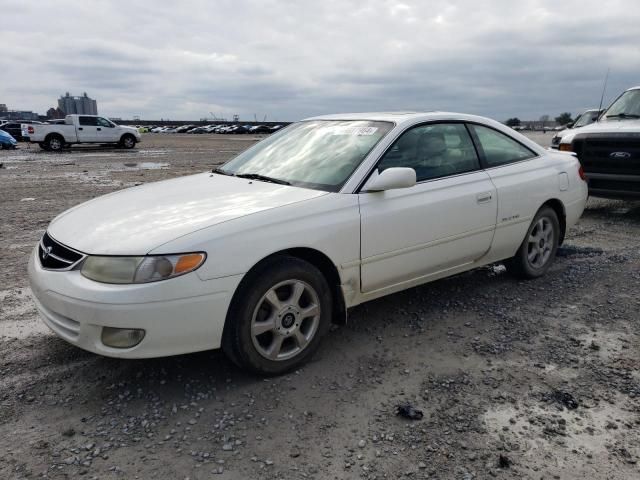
pixel 128 141
pixel 538 249
pixel 278 316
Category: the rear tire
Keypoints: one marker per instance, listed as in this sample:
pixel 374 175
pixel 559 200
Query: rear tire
pixel 538 249
pixel 43 146
pixel 278 316
pixel 54 143
pixel 128 141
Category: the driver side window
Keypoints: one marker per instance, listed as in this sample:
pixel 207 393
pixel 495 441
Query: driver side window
pixel 435 150
pixel 104 123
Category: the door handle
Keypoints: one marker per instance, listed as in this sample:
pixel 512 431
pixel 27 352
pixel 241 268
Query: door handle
pixel 99 129
pixel 79 128
pixel 484 197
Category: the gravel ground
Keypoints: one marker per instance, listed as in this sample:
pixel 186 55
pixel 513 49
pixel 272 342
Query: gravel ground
pixel 515 379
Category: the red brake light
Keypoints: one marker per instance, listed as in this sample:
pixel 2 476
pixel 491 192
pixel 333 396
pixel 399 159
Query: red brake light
pixel 581 173
pixel 30 129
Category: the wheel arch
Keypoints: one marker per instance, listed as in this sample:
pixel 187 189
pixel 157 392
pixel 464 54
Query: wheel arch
pixel 558 207
pixel 323 263
pixel 54 134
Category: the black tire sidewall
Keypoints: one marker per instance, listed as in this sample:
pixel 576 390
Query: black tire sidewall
pixel 238 329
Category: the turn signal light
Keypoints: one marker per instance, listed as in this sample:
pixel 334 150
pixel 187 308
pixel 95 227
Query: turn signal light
pixel 565 147
pixel 189 262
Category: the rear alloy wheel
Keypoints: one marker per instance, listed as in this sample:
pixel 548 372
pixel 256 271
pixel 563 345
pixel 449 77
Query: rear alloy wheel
pixel 128 141
pixel 54 143
pixel 278 316
pixel 538 250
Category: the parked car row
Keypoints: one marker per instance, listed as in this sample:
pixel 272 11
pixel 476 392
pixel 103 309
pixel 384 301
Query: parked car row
pixel 216 128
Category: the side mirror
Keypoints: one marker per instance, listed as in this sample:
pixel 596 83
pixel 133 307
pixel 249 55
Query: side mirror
pixel 391 178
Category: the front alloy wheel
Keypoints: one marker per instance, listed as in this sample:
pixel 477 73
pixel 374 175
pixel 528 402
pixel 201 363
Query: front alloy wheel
pixel 278 316
pixel 285 320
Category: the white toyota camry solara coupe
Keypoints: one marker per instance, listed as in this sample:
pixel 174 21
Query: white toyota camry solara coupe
pixel 259 256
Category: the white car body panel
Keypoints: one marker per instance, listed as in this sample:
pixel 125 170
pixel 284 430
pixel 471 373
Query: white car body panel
pixel 128 222
pixel 406 233
pixel 379 242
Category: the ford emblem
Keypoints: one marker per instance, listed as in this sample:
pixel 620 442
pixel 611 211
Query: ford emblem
pixel 620 155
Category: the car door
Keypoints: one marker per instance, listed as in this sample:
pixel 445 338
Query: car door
pixel 87 129
pixel 445 221
pixel 106 131
pixel 523 183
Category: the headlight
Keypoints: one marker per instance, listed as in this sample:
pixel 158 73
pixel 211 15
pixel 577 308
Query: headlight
pixel 140 269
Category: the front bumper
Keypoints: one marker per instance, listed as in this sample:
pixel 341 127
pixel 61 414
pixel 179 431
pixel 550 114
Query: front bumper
pixel 181 315
pixel 608 185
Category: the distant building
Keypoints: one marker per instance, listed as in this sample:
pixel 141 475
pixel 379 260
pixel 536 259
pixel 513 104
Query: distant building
pixel 18 115
pixel 81 105
pixel 3 108
pixel 54 113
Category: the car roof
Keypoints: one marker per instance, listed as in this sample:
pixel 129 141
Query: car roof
pixel 404 117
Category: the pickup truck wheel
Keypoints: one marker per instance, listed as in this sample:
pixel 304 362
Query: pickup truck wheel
pixel 128 141
pixel 278 316
pixel 538 249
pixel 43 146
pixel 55 143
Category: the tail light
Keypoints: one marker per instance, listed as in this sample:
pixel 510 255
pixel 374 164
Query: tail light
pixel 582 174
pixel 565 147
pixel 30 129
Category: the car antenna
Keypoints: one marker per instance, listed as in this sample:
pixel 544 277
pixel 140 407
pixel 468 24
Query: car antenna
pixel 604 87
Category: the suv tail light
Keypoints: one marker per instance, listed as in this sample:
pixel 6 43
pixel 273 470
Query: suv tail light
pixel 30 129
pixel 581 173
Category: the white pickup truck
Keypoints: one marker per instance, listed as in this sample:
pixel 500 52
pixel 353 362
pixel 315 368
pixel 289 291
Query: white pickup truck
pixel 80 129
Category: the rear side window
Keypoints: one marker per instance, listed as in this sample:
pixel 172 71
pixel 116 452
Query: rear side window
pixel 498 148
pixel 435 150
pixel 89 121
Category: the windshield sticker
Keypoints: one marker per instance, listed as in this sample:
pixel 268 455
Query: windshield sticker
pixel 355 131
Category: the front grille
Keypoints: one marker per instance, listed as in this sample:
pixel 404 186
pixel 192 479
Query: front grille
pixel 595 153
pixel 55 256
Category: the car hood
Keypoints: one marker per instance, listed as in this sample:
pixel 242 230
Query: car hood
pixel 137 220
pixel 607 126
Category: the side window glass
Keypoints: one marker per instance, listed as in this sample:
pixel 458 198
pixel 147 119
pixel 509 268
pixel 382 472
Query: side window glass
pixel 433 151
pixel 498 148
pixel 104 123
pixel 88 121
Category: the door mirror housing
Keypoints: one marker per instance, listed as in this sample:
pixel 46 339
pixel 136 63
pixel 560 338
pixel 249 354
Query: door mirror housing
pixel 390 179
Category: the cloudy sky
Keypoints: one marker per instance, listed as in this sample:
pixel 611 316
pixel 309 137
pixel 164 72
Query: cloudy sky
pixel 289 59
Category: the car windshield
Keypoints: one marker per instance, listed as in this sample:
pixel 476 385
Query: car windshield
pixel 319 154
pixel 627 105
pixel 586 118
